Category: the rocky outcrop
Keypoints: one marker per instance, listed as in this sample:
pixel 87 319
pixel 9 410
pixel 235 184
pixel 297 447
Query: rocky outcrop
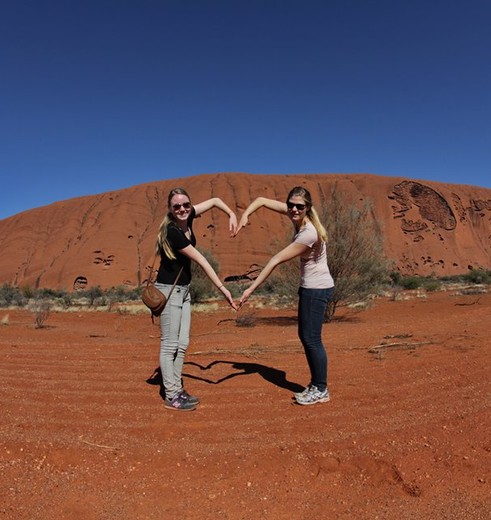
pixel 108 239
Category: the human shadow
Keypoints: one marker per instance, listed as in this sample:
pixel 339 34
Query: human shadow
pixel 272 375
pixel 156 379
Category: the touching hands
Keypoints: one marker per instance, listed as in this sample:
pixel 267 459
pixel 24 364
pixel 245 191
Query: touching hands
pixel 232 225
pixel 245 296
pixel 244 220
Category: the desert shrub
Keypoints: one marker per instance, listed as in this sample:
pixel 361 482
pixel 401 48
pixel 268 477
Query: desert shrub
pixel 28 291
pixel 64 303
pixel 45 294
pixel 121 294
pixel 245 320
pixel 432 285
pixel 410 282
pixel 7 293
pixel 65 299
pixel 354 251
pixel 201 287
pixel 429 284
pixel 11 295
pixel 92 294
pixel 477 276
pixel 41 311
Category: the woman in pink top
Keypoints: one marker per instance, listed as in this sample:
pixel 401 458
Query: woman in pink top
pixel 316 283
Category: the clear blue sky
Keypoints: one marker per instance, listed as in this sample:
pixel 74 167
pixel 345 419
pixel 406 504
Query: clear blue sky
pixel 99 95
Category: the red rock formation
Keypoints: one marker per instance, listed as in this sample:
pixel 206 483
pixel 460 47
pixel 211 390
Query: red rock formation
pixel 108 239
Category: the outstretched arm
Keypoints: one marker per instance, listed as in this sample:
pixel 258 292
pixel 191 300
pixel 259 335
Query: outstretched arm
pixel 192 253
pixel 288 253
pixel 216 202
pixel 274 205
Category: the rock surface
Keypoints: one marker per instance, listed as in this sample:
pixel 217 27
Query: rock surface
pixel 108 239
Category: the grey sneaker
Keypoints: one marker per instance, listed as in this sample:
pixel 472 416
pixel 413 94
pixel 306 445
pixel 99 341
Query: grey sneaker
pixel 178 403
pixel 189 398
pixel 303 393
pixel 313 396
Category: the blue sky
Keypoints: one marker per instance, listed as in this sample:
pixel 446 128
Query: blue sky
pixel 99 95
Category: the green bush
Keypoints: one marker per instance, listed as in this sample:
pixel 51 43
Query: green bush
pixel 432 285
pixel 410 282
pixel 10 295
pixel 477 276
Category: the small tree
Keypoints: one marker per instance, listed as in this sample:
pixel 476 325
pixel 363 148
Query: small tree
pixel 354 251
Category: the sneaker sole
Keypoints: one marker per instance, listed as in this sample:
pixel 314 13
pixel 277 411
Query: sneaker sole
pixel 170 407
pixel 323 400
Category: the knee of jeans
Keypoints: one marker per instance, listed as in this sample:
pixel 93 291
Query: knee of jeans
pixel 183 345
pixel 311 342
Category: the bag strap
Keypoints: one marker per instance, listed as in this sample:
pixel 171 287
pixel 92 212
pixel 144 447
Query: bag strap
pixel 150 276
pixel 175 282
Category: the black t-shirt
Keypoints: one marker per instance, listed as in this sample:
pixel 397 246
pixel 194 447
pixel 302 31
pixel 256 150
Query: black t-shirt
pixel 169 269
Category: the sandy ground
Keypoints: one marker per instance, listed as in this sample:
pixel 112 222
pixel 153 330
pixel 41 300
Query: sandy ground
pixel 407 434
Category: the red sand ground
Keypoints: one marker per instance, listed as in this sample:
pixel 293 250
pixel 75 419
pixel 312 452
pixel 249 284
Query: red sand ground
pixel 406 435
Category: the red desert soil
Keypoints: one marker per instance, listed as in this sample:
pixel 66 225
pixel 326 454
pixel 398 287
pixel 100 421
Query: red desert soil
pixel 84 434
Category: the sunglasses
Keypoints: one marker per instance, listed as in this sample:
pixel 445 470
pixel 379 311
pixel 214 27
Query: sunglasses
pixel 291 205
pixel 185 205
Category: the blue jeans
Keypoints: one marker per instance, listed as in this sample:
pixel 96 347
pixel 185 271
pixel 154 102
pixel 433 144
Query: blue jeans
pixel 175 323
pixel 312 305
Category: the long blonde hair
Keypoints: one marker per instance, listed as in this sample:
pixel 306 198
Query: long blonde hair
pixel 162 241
pixel 312 215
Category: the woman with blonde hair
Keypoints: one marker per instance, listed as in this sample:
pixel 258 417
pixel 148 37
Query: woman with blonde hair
pixel 176 244
pixel 316 283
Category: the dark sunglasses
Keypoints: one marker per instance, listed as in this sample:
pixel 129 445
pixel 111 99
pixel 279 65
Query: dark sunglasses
pixel 291 205
pixel 185 205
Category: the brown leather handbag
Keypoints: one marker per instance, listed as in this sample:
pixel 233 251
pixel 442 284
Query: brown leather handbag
pixel 154 299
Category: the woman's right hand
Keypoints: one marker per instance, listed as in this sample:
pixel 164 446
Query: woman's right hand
pixel 245 296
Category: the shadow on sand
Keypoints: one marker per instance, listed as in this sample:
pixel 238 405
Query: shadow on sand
pixel 269 374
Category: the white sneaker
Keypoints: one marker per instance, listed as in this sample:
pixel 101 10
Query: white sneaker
pixel 304 392
pixel 313 396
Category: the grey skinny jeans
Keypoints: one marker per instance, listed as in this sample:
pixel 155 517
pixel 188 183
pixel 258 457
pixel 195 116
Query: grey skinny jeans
pixel 175 323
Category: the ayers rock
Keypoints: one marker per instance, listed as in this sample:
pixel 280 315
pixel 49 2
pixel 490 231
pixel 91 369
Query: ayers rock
pixel 108 239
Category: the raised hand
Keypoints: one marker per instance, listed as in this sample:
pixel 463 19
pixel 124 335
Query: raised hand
pixel 244 221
